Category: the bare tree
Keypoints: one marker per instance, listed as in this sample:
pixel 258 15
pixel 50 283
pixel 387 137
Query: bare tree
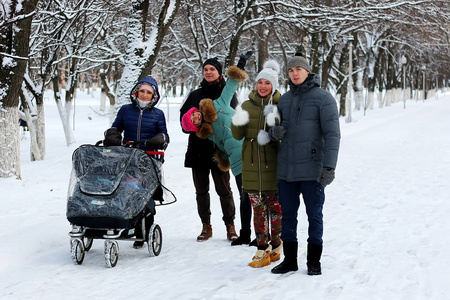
pixel 143 45
pixel 14 48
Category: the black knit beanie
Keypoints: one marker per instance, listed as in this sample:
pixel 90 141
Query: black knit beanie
pixel 215 63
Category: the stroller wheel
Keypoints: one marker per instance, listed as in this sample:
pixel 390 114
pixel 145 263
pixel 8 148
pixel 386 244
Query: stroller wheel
pixel 154 240
pixel 111 253
pixel 77 251
pixel 87 243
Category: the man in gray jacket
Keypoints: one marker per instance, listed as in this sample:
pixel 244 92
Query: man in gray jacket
pixel 310 136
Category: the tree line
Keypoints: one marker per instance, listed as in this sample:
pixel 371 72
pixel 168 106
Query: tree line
pixel 61 44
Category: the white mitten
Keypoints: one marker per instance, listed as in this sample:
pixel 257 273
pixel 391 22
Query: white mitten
pixel 241 117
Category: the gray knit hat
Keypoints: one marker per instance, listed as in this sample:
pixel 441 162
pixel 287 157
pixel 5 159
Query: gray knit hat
pixel 298 61
pixel 270 71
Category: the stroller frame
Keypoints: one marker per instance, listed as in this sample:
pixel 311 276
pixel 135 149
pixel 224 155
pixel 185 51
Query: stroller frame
pixel 81 239
pixel 82 235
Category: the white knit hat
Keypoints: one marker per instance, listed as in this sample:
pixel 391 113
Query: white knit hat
pixel 270 71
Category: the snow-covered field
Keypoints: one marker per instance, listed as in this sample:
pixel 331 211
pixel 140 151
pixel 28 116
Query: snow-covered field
pixel 386 221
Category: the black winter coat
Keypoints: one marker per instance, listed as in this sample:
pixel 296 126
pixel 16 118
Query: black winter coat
pixel 200 152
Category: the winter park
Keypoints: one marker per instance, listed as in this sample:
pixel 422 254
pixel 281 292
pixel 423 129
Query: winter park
pixel 364 85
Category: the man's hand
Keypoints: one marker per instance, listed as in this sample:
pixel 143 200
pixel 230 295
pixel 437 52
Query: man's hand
pixel 277 131
pixel 326 177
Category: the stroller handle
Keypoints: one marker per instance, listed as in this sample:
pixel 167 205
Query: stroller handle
pixel 133 143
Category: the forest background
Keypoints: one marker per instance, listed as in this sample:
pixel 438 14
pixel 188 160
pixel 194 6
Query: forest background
pixel 366 52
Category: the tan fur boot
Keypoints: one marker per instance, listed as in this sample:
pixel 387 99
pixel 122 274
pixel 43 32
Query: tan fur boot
pixel 261 258
pixel 276 253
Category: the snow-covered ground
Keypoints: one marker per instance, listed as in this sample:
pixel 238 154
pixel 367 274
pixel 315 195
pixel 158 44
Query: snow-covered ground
pixel 386 221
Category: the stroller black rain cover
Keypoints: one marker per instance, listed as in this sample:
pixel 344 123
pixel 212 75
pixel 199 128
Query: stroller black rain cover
pixel 110 186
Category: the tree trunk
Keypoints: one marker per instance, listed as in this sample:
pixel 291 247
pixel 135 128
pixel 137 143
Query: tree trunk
pixel 141 53
pixel 38 120
pixel 263 45
pixel 35 153
pixel 108 92
pixel 14 46
pixel 64 112
pixel 342 80
pixel 241 6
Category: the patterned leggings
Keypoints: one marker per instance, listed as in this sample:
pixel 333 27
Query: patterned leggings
pixel 265 207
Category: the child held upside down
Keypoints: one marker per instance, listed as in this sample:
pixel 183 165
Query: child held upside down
pixel 212 120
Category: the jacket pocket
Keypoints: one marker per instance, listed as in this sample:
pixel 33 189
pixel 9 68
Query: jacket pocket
pixel 316 151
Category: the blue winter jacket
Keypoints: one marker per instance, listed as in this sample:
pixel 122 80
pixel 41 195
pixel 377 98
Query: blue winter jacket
pixel 140 124
pixel 309 115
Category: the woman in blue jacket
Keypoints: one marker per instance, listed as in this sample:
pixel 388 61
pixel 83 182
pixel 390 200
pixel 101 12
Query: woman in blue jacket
pixel 141 122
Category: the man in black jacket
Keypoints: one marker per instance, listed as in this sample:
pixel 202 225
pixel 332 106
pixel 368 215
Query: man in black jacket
pixel 199 156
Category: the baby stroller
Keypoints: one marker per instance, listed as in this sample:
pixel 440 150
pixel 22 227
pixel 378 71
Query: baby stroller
pixel 112 195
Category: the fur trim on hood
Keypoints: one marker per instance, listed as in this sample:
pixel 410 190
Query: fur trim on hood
pixel 222 161
pixel 241 117
pixel 208 110
pixel 205 131
pixel 237 74
pixel 206 107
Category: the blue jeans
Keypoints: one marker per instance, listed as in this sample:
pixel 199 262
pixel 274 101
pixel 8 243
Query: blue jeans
pixel 289 197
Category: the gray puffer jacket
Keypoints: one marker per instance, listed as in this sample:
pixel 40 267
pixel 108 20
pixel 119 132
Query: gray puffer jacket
pixel 310 116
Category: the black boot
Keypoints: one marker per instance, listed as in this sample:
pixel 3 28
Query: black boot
pixel 289 263
pixel 254 243
pixel 313 259
pixel 244 238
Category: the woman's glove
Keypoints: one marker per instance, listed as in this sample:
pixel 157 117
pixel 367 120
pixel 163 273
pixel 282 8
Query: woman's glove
pixel 112 137
pixel 243 59
pixel 241 117
pixel 159 141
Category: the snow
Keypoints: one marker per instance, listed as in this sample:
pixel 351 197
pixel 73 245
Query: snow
pixel 386 221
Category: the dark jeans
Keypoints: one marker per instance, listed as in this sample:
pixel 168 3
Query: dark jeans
pixel 245 207
pixel 223 189
pixel 289 197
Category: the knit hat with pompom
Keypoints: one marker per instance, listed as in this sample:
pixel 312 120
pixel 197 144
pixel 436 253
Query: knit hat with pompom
pixel 270 71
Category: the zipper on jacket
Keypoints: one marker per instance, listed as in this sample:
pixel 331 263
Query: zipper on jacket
pixel 259 155
pixel 251 148
pixel 265 157
pixel 299 111
pixel 138 134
